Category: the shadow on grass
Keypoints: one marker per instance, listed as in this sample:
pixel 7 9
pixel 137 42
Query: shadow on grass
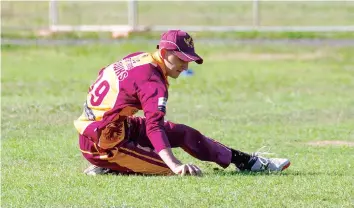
pixel 221 172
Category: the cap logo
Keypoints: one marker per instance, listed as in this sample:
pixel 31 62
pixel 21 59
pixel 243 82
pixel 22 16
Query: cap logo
pixel 189 42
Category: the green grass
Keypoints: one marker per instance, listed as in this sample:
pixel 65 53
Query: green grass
pixel 31 16
pixel 22 13
pixel 245 96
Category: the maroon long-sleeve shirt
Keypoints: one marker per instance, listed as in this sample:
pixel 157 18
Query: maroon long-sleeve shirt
pixel 137 82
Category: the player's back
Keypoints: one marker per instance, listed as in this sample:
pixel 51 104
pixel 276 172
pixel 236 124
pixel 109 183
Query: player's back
pixel 114 94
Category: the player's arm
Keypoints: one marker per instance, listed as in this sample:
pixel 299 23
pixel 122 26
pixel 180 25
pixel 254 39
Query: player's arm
pixel 152 94
pixel 153 97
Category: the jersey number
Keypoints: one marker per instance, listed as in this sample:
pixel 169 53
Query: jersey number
pixel 98 91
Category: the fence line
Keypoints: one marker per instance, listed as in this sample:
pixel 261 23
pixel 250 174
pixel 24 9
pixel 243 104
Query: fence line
pixel 133 24
pixel 212 16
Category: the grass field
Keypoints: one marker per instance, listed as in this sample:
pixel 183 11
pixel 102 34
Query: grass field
pixel 246 96
pixel 271 13
pixel 24 19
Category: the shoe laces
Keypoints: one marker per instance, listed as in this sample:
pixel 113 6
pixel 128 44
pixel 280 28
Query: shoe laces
pixel 260 155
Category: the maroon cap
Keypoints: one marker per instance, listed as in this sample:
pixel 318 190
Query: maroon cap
pixel 180 42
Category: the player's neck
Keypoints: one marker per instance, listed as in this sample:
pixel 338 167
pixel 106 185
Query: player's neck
pixel 160 62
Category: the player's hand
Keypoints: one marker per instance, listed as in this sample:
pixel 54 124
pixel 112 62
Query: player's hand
pixel 176 166
pixel 188 169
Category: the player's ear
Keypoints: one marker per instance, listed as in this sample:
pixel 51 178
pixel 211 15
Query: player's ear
pixel 163 53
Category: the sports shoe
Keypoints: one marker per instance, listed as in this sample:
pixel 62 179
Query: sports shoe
pixel 93 170
pixel 268 164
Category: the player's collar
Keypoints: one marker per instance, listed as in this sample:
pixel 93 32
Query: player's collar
pixel 158 59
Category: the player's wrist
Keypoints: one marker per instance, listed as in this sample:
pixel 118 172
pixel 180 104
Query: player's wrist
pixel 171 161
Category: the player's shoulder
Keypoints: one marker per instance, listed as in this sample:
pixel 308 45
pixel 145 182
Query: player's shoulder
pixel 139 59
pixel 137 67
pixel 142 65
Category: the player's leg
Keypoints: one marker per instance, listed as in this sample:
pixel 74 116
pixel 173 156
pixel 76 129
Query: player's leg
pixel 203 147
pixel 207 149
pixel 189 139
pixel 125 159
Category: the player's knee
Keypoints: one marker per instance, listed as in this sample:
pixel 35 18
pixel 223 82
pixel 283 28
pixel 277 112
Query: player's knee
pixel 187 130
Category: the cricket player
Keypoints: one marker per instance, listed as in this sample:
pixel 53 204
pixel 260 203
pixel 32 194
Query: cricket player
pixel 113 140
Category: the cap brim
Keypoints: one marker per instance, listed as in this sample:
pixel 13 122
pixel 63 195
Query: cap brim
pixel 189 57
